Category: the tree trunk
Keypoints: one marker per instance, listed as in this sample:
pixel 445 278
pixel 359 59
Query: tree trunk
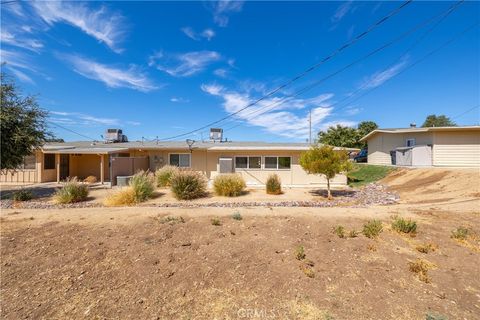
pixel 328 189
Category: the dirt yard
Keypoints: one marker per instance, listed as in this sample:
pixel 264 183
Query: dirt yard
pixel 130 263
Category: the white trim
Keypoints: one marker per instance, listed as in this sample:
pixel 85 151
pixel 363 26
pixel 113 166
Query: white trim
pixel 410 139
pixel 179 153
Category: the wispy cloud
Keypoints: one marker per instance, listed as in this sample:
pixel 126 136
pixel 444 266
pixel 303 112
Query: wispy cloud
pixel 222 73
pixel 179 99
pixel 380 77
pixel 222 10
pixel 288 119
pixel 82 119
pixel 19 64
pixel 341 11
pixel 101 23
pixel 9 38
pixel 185 64
pixel 112 76
pixel 14 7
pixel 205 34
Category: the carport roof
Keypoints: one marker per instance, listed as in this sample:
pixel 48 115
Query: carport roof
pixel 412 130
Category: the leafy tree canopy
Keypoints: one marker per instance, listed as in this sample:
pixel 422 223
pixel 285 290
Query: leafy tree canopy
pixel 346 137
pixel 438 121
pixel 22 124
pixel 324 160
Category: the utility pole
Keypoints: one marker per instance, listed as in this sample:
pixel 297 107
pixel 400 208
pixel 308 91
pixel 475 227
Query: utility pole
pixel 310 125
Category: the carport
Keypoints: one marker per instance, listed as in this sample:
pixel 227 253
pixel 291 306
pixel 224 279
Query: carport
pixel 82 162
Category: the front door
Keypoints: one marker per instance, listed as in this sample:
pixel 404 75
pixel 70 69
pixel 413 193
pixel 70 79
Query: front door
pixel 64 166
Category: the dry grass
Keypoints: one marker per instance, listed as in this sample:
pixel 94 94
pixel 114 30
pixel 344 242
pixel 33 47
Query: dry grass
pixel 229 185
pixel 273 184
pixel 123 197
pixel 420 267
pixel 372 228
pixel 300 253
pixel 404 226
pixel 90 179
pixel 188 184
pixel 71 192
pixel 426 248
pixel 164 174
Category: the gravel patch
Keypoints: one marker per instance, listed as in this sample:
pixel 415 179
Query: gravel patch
pixel 371 194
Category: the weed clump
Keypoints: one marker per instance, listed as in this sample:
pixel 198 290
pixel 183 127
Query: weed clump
pixel 22 195
pixel 123 197
pixel 237 216
pixel 188 185
pixel 420 267
pixel 460 233
pixel 300 253
pixel 142 185
pixel 215 222
pixel 339 231
pixel 71 192
pixel 308 271
pixel 273 184
pixel 172 220
pixel 229 185
pixel 164 174
pixel 404 226
pixel 372 228
pixel 90 179
pixel 426 248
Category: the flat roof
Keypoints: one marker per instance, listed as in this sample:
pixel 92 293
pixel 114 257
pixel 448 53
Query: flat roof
pixel 106 148
pixel 420 129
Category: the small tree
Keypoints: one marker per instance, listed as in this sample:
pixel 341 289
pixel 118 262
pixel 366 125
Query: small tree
pixel 339 136
pixel 324 160
pixel 364 128
pixel 23 125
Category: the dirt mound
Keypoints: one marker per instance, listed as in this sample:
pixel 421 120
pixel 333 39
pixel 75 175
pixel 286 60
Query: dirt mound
pixel 431 185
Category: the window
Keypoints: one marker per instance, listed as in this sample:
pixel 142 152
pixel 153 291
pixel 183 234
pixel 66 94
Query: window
pixel 181 160
pixel 48 161
pixel 410 142
pixel 248 162
pixel 281 163
pixel 28 162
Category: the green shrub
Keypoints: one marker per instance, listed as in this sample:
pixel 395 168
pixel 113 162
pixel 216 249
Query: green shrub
pixel 188 184
pixel 300 253
pixel 229 185
pixel 237 216
pixel 72 191
pixel 372 228
pixel 216 222
pixel 460 233
pixel 405 226
pixel 164 174
pixel 274 185
pixel 142 185
pixel 22 195
pixel 339 231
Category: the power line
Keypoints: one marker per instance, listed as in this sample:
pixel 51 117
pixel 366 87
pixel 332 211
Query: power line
pixel 443 15
pixel 304 73
pixel 72 131
pixel 465 112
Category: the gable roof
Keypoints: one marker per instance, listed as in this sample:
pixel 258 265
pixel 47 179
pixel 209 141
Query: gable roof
pixel 412 130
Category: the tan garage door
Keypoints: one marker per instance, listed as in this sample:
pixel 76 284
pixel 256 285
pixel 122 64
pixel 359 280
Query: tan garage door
pixel 456 149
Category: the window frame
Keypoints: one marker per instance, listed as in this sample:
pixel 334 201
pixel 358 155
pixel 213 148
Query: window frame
pixel 45 161
pixel 180 153
pixel 410 139
pixel 277 168
pixel 34 163
pixel 248 162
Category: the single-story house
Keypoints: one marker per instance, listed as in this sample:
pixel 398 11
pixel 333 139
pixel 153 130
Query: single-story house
pixel 435 146
pixel 106 161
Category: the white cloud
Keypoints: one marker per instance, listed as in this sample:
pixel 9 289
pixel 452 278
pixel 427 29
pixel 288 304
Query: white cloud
pixel 280 115
pixel 18 64
pixel 14 7
pixel 206 34
pixel 341 11
pixel 222 73
pixel 7 37
pixel 380 77
pixel 82 119
pixel 179 100
pixel 113 77
pixel 101 23
pixel 185 64
pixel 222 9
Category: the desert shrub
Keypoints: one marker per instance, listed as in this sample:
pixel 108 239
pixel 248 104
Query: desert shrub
pixel 372 228
pixel 339 231
pixel 172 219
pixel 426 247
pixel 421 267
pixel 22 195
pixel 215 222
pixel 434 316
pixel 188 184
pixel 237 216
pixel 229 185
pixel 90 179
pixel 405 226
pixel 72 191
pixel 164 174
pixel 460 233
pixel 300 253
pixel 353 233
pixel 123 197
pixel 308 271
pixel 143 186
pixel 274 185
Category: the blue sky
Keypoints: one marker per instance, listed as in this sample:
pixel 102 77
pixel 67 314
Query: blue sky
pixel 165 68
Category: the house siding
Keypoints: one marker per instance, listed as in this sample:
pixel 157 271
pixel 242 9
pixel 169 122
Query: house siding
pixel 456 149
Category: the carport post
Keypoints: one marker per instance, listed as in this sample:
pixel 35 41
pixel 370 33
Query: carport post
pixel 57 163
pixel 102 168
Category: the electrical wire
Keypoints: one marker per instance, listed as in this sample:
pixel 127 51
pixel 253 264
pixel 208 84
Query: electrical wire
pixel 72 131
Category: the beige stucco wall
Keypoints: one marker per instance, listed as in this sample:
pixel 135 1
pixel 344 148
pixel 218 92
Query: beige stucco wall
pixel 456 149
pixel 207 163
pixel 85 165
pixel 380 145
